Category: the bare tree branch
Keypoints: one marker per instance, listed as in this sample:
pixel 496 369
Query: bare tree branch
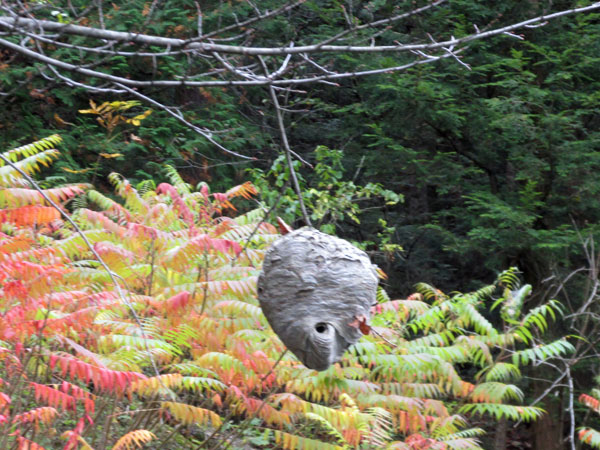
pixel 15 24
pixel 287 149
pixel 211 83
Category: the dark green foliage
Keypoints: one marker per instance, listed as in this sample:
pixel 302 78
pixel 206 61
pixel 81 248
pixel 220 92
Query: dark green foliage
pixel 497 164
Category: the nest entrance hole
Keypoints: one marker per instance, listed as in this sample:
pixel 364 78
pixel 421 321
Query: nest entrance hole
pixel 321 327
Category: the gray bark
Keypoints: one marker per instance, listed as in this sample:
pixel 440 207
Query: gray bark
pixel 9 23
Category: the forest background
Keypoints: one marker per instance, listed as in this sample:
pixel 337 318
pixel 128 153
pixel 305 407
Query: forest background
pixel 449 164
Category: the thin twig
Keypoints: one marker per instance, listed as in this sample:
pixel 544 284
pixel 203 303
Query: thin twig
pixel 286 147
pixel 379 335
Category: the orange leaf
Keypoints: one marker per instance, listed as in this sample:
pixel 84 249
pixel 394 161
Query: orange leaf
pixel 30 215
pixel 134 439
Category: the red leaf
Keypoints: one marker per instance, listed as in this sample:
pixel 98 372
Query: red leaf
pixel 121 378
pixel 364 327
pixel 178 301
pixel 360 322
pixel 284 228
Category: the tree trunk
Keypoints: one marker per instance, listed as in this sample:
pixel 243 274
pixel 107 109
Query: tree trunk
pixel 548 429
pixel 500 436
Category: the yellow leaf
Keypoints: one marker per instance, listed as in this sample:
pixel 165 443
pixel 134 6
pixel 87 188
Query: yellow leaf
pixel 66 169
pixel 152 385
pixel 103 107
pixel 137 437
pixel 143 115
pixel 84 443
pixel 110 155
pixel 60 121
pixel 94 110
pixel 189 414
pixel 137 119
pixel 381 274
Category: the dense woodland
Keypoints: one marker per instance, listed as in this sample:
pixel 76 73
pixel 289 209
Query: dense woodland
pixel 453 141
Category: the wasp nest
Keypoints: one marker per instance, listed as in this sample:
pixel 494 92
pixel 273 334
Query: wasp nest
pixel 313 288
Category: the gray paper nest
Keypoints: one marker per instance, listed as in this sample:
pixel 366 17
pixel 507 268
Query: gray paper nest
pixel 312 289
